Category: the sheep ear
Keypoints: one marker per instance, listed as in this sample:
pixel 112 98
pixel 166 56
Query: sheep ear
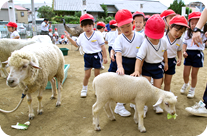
pixel 158 102
pixel 34 65
pixel 5 62
pixel 176 97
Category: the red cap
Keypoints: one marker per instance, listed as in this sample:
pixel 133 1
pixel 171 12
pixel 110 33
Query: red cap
pixel 50 30
pixel 179 20
pixel 123 17
pixel 147 16
pixel 53 34
pixel 155 27
pixel 166 13
pixel 101 24
pixel 55 28
pixel 137 13
pixel 94 28
pixel 12 24
pixel 133 27
pixel 106 30
pixel 194 15
pixel 86 16
pixel 62 36
pixel 113 22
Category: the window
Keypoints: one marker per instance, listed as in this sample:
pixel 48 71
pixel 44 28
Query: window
pixel 22 14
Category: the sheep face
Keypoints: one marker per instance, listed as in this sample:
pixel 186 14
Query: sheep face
pixel 20 73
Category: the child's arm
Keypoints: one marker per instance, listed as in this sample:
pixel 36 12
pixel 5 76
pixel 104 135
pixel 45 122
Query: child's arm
pixel 179 54
pixel 70 39
pixel 16 37
pixel 166 61
pixel 185 55
pixel 138 65
pixel 120 69
pixel 103 48
pixel 112 53
pixel 106 42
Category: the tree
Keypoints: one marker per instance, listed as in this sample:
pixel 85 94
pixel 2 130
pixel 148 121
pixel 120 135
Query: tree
pixel 45 12
pixel 105 14
pixel 177 6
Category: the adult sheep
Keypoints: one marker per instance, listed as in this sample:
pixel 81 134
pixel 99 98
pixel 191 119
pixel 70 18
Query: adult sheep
pixel 6 47
pixel 32 67
pixel 127 89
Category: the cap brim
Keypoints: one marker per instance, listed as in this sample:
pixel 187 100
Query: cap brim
pixel 171 14
pixel 182 24
pixel 196 17
pixel 114 24
pixel 153 35
pixel 124 22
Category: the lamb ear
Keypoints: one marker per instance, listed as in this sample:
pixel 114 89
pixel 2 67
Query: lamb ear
pixel 34 65
pixel 5 62
pixel 158 102
pixel 176 97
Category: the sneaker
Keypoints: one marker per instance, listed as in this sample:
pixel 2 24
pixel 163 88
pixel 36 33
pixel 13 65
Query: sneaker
pixel 158 109
pixel 132 106
pixel 198 109
pixel 145 111
pixel 102 67
pixel 120 109
pixel 191 93
pixel 83 93
pixel 183 89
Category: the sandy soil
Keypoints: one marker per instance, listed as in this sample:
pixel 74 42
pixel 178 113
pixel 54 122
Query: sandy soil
pixel 74 116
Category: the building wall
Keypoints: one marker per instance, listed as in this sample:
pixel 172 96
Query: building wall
pixel 20 18
pixel 4 15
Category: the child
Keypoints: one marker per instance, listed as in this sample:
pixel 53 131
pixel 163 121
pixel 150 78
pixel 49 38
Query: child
pixel 193 56
pixel 92 43
pixel 12 27
pixel 126 46
pixel 50 33
pixel 101 28
pixel 167 15
pixel 110 38
pixel 53 39
pixel 153 52
pixel 139 19
pixel 56 34
pixel 62 39
pixel 178 25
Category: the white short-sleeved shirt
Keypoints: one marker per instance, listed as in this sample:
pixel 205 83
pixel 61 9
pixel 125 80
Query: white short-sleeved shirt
pixel 142 32
pixel 91 44
pixel 152 53
pixel 43 27
pixel 14 34
pixel 188 41
pixel 110 37
pixel 56 33
pixel 173 47
pixel 128 48
pixel 50 34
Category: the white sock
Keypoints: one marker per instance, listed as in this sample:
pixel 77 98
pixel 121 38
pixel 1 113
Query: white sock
pixel 186 84
pixel 119 104
pixel 85 87
pixel 193 89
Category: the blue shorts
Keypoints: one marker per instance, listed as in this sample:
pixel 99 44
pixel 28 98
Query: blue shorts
pixel 195 58
pixel 92 60
pixel 113 66
pixel 128 65
pixel 109 49
pixel 153 70
pixel 171 66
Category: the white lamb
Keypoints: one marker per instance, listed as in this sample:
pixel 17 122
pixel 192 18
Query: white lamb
pixel 127 89
pixel 32 67
pixel 6 47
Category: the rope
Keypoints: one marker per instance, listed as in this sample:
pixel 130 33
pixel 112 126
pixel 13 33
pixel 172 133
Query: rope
pixel 22 98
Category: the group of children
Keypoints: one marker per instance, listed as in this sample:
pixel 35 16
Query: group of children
pixel 152 49
pixel 56 39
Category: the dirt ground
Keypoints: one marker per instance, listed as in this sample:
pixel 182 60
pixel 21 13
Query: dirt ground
pixel 74 116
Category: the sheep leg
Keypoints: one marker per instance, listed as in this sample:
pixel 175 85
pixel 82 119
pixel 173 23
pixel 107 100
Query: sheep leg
pixel 140 109
pixel 40 106
pixel 58 103
pixel 54 88
pixel 95 110
pixel 29 101
pixel 3 70
pixel 108 111
pixel 136 115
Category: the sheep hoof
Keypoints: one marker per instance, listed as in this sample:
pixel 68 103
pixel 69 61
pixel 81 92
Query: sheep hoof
pixel 40 113
pixel 52 97
pixel 113 120
pixel 143 130
pixel 98 129
pixel 31 118
pixel 58 104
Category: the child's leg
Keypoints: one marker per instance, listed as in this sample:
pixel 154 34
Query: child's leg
pixel 167 82
pixel 96 72
pixel 194 74
pixel 148 78
pixel 86 77
pixel 157 82
pixel 186 73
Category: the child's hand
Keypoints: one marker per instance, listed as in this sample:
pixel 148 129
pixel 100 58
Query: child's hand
pixel 166 67
pixel 185 55
pixel 112 56
pixel 178 62
pixel 105 60
pixel 135 74
pixel 120 71
pixel 67 35
pixel 205 34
